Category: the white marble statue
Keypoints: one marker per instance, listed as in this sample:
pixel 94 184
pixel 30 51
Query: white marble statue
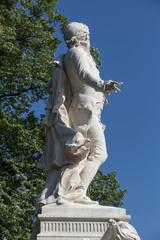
pixel 75 145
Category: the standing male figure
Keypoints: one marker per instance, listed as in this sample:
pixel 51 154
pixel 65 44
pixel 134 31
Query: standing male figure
pixel 75 143
pixel 88 97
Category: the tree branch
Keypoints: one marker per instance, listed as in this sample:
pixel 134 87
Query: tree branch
pixel 13 94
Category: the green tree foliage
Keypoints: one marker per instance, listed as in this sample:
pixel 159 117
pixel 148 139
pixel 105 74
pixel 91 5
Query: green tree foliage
pixel 21 141
pixel 27 45
pixel 105 189
pixel 96 56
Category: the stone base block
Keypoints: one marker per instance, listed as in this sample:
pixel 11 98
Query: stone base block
pixel 77 222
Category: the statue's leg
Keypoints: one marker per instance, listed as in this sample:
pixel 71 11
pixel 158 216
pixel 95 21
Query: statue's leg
pixel 88 123
pixel 50 186
pixel 98 152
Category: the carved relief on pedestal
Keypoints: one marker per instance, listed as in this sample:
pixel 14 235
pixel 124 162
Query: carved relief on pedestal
pixel 120 231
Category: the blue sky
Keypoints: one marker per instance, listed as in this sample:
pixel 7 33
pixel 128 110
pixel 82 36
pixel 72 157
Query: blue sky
pixel 127 33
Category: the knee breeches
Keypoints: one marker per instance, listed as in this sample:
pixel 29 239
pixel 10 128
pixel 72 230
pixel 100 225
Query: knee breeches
pixel 88 123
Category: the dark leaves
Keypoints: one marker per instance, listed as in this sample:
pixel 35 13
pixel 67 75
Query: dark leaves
pixel 105 189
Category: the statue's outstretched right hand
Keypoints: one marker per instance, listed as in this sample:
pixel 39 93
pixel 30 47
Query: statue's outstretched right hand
pixel 112 86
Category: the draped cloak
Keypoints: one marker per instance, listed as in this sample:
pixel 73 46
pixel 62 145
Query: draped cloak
pixel 60 137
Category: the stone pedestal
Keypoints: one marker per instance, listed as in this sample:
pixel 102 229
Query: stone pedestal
pixel 80 222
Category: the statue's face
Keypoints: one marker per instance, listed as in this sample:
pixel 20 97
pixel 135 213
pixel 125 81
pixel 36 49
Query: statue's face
pixel 80 31
pixel 87 42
